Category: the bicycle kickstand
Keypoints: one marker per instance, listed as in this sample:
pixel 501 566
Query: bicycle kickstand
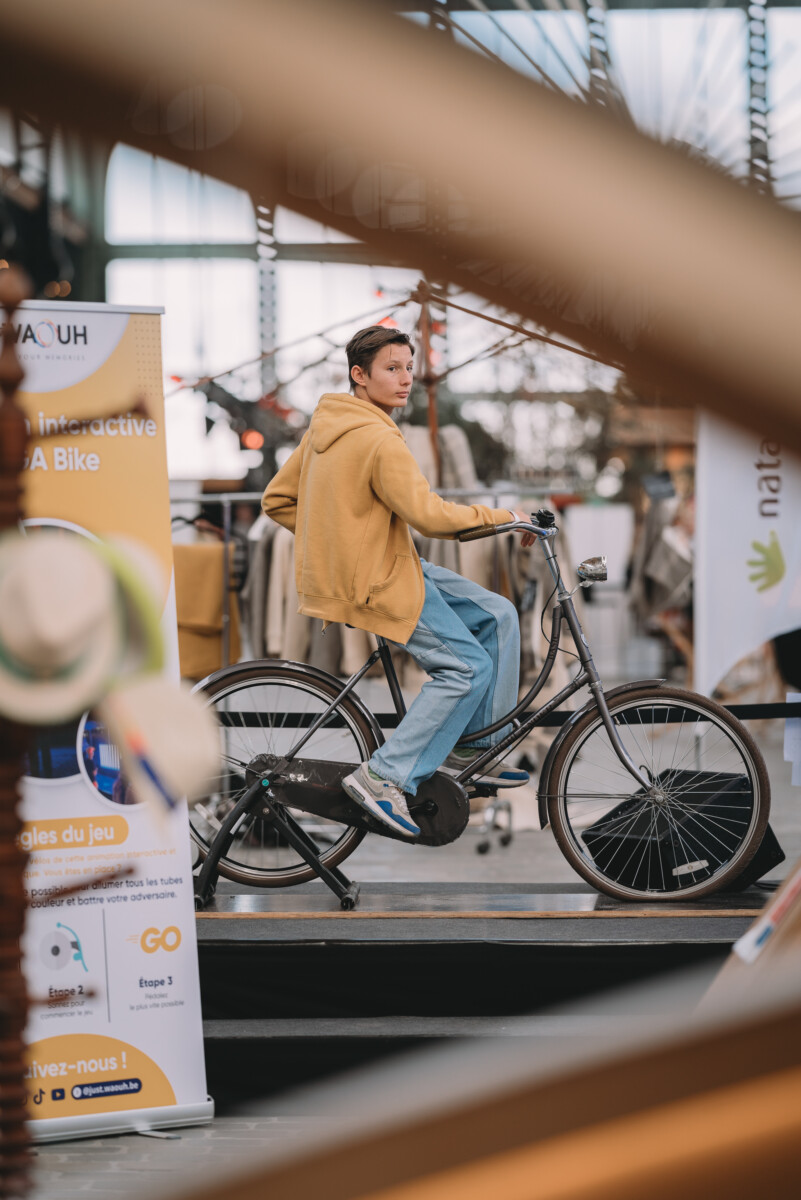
pixel 346 891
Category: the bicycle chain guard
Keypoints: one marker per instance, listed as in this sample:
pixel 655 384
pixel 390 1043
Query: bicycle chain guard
pixel 441 807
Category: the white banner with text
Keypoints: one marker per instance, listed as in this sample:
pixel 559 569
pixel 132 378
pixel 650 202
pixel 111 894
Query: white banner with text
pixel 748 546
pixel 115 1036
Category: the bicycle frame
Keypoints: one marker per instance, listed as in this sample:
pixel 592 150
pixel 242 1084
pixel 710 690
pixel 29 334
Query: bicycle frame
pixel 587 675
pixel 565 609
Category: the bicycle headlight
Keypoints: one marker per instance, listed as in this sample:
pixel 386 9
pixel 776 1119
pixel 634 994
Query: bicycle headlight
pixel 593 570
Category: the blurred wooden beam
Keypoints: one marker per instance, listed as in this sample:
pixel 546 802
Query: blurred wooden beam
pixel 353 115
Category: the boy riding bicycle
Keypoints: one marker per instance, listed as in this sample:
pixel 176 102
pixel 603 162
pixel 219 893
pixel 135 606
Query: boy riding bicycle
pixel 349 493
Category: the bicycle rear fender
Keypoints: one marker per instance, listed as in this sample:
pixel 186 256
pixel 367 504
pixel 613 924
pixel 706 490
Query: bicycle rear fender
pixel 565 731
pixel 229 673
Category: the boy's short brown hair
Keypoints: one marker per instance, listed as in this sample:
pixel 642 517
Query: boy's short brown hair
pixel 364 345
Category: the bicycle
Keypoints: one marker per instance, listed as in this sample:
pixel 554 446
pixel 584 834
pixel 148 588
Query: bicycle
pixel 652 792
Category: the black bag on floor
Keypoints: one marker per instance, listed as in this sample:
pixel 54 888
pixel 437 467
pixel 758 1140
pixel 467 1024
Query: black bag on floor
pixel 647 847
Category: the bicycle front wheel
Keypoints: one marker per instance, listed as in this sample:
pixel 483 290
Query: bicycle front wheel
pixel 263 710
pixel 693 831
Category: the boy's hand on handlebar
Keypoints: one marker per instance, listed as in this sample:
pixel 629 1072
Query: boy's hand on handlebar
pixel 527 539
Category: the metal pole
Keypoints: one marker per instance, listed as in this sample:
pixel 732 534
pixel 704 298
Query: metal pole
pixel 225 649
pixel 429 381
pixel 760 173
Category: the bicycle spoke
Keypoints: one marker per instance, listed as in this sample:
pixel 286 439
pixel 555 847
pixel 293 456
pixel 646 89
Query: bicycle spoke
pixel 649 842
pixel 621 867
pixel 643 755
pixel 237 762
pixel 702 819
pixel 596 795
pixel 708 765
pixel 678 739
pixel 675 826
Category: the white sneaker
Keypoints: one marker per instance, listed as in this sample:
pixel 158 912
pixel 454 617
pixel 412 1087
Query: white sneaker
pixel 383 800
pixel 496 772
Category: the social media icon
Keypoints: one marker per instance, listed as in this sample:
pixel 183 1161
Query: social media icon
pixel 57 1094
pixel 39 1097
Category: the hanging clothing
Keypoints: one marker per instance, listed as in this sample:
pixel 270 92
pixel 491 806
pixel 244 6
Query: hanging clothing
pixel 325 647
pixel 199 606
pixel 456 458
pixel 418 439
pixel 254 593
pixel 654 577
pixel 288 631
pixel 357 645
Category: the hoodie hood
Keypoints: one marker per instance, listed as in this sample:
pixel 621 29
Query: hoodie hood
pixel 338 413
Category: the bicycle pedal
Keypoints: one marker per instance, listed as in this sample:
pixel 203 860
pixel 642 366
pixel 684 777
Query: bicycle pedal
pixel 480 791
pixel 478 788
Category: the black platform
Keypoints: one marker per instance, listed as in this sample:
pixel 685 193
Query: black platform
pixel 294 988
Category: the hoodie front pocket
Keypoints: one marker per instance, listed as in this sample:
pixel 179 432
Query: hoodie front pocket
pixel 395 594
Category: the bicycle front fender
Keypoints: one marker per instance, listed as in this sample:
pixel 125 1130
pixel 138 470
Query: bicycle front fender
pixel 543 790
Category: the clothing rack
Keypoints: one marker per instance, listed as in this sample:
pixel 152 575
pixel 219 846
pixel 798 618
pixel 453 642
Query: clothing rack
pixel 227 499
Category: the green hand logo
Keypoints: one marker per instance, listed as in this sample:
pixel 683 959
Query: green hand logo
pixel 769 566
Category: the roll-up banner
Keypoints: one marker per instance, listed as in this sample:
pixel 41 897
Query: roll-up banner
pixel 748 546
pixel 115 1037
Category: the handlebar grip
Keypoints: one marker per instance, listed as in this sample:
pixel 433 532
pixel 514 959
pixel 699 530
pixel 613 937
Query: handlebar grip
pixel 471 535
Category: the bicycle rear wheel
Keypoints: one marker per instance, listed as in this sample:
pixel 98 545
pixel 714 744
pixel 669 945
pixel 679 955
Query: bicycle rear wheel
pixel 263 710
pixel 703 819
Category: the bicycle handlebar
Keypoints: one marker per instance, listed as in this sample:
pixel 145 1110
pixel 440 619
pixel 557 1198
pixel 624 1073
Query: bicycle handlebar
pixel 472 535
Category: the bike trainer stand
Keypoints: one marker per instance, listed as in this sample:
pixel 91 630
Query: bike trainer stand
pixel 285 824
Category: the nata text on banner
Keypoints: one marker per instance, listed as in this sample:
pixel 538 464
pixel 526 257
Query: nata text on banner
pixel 748 546
pixel 116 1042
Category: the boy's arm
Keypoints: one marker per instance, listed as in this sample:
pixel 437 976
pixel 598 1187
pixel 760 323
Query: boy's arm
pixel 400 484
pixel 280 499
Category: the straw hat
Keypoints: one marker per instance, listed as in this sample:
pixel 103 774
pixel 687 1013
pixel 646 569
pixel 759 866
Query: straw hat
pixel 75 614
pixel 62 627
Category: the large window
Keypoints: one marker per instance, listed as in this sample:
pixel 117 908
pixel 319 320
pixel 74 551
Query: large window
pixel 150 200
pixel 211 310
pixel 210 297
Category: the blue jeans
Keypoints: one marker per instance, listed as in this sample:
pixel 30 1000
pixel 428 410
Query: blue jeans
pixel 468 641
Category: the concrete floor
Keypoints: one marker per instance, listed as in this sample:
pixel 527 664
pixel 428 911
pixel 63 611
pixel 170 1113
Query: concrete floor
pixel 133 1165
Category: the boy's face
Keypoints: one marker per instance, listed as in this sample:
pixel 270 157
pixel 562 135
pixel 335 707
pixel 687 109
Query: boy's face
pixel 390 379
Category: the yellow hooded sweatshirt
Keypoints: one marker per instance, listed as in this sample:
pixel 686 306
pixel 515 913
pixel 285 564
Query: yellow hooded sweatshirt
pixel 349 493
